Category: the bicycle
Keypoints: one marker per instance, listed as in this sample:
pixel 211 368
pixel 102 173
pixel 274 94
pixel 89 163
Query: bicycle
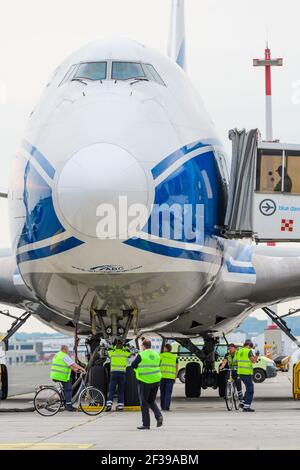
pixel 50 399
pixel 231 394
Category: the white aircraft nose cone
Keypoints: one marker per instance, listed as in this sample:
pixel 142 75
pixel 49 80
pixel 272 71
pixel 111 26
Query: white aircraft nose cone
pixel 97 181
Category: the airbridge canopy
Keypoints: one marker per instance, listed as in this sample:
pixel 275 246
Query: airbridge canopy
pixel 264 189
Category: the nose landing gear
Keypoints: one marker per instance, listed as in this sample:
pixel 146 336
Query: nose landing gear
pixel 107 328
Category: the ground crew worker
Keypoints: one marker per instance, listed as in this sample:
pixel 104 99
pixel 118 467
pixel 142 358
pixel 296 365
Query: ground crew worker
pixel 118 361
pixel 61 367
pixel 246 359
pixel 169 370
pixel 230 361
pixel 148 374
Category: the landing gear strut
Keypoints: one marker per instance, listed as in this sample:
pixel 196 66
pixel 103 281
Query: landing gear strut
pixel 195 378
pixel 107 328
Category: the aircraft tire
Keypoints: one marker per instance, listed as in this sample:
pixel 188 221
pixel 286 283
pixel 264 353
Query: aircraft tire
pixel 192 380
pixel 131 388
pixel 98 378
pixel 222 383
pixel 4 382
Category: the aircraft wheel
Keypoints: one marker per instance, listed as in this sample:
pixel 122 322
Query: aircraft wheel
pixel 192 380
pixel 131 388
pixel 98 378
pixel 4 382
pixel 222 383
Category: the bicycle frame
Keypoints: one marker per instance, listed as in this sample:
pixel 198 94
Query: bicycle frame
pixel 85 392
pixel 60 390
pixel 231 398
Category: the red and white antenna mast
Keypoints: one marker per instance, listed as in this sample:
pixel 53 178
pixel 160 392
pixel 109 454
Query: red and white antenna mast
pixel 267 62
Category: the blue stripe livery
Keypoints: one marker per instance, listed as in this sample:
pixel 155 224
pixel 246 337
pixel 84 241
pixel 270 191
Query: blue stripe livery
pixel 174 156
pixel 181 55
pixel 40 158
pixel 50 250
pixel 240 269
pixel 41 221
pixel 193 186
pixel 164 250
pixel 196 184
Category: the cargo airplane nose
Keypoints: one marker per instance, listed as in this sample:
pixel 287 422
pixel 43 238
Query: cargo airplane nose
pixel 102 181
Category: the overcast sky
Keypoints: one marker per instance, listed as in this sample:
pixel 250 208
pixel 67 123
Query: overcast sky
pixel 222 38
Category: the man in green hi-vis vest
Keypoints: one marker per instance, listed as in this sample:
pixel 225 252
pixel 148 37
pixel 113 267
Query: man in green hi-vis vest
pixel 230 362
pixel 62 365
pixel 245 360
pixel 148 374
pixel 169 370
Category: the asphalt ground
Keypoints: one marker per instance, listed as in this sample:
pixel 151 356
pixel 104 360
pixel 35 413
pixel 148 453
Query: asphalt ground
pixel 202 423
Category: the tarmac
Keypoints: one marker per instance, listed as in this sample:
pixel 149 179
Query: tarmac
pixel 192 424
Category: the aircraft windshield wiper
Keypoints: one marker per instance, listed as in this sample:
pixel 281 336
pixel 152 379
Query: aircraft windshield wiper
pixel 139 79
pixel 77 79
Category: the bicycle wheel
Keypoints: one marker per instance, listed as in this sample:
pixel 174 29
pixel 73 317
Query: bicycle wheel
pixel 47 401
pixel 229 396
pixel 235 397
pixel 91 401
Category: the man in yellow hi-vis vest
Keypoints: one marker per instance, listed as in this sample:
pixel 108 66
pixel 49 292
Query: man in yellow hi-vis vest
pixel 148 374
pixel 169 369
pixel 118 363
pixel 230 362
pixel 61 367
pixel 245 360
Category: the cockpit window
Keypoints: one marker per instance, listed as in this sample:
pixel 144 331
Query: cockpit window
pixel 127 70
pixel 119 71
pixel 152 75
pixel 91 71
pixel 68 74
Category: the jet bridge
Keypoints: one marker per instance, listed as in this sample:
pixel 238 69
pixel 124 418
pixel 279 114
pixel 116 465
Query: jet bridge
pixel 264 189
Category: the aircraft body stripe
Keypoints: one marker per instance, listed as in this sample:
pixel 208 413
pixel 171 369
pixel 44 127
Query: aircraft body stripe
pixel 164 250
pixel 239 269
pixel 164 164
pixel 40 158
pixel 50 250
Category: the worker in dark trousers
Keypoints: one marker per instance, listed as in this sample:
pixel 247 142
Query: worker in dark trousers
pixel 245 360
pixel 118 361
pixel 62 365
pixel 169 370
pixel 230 362
pixel 148 374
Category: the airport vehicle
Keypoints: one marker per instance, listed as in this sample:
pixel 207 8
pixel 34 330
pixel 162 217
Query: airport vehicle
pixel 231 394
pixel 282 363
pixel 49 400
pixel 119 138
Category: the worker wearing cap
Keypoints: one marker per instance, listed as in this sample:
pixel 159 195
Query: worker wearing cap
pixel 245 360
pixel 230 361
pixel 62 365
pixel 169 369
pixel 118 361
pixel 148 374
